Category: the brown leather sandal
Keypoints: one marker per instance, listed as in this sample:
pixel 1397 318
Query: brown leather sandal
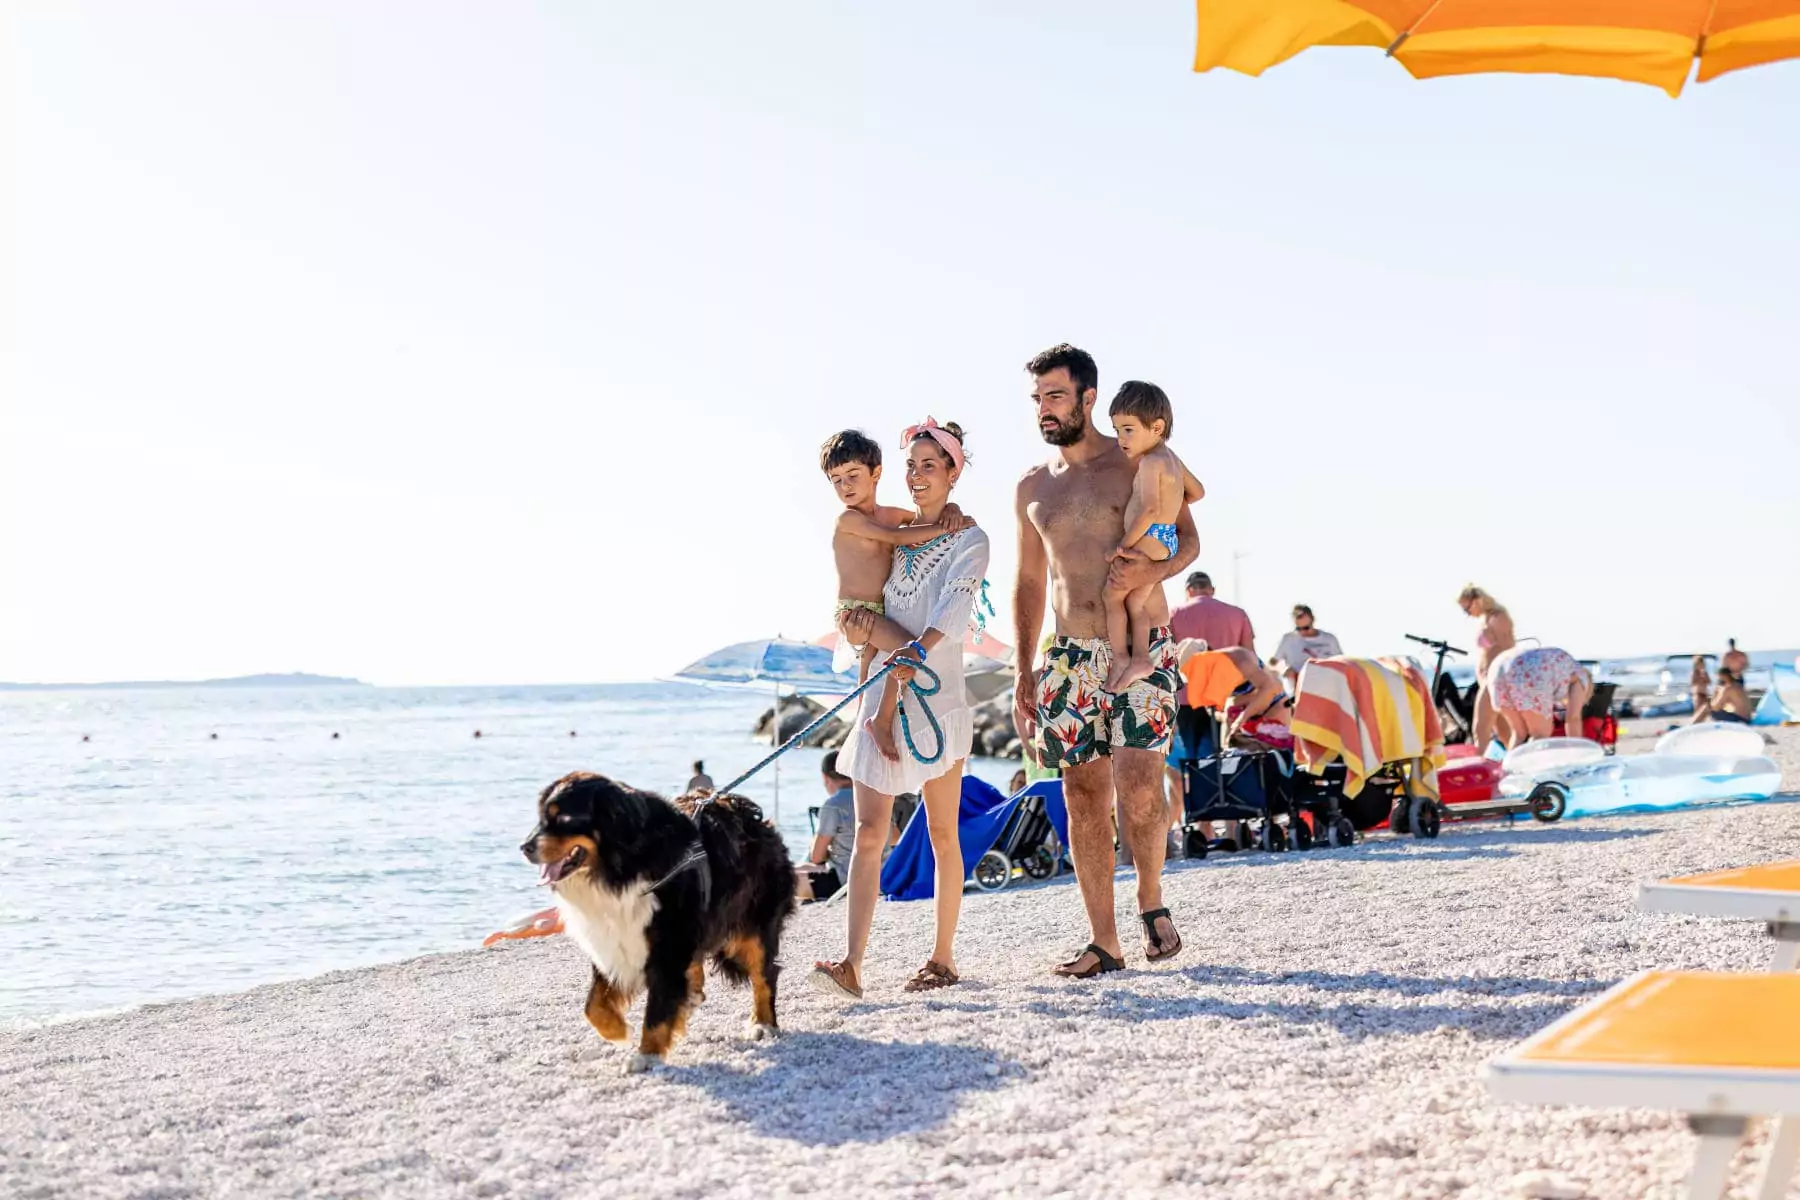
pixel 1155 949
pixel 835 979
pixel 1104 963
pixel 930 977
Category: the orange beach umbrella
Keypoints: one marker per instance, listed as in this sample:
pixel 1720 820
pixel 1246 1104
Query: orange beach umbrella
pixel 1644 41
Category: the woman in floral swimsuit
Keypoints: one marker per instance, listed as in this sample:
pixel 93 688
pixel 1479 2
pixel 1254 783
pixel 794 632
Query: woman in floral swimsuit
pixel 1528 684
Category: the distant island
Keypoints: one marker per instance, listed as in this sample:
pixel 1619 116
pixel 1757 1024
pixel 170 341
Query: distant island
pixel 293 679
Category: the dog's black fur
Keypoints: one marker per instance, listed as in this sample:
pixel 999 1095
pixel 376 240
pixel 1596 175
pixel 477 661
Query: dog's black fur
pixel 617 841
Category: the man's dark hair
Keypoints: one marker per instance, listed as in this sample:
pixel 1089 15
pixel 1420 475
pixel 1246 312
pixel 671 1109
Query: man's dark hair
pixel 1146 402
pixel 699 767
pixel 1198 580
pixel 1301 610
pixel 1079 364
pixel 850 446
pixel 828 766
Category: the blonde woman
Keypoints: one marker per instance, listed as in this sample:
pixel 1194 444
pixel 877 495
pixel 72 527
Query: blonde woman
pixel 1493 637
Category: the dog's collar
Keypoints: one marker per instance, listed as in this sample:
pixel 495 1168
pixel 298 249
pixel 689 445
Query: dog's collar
pixel 696 855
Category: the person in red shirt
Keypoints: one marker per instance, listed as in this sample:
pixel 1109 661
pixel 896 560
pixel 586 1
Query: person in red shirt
pixel 1209 619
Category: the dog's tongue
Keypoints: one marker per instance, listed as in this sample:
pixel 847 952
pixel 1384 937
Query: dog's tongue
pixel 550 872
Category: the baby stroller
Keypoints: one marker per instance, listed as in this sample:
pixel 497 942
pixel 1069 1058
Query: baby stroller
pixel 1027 842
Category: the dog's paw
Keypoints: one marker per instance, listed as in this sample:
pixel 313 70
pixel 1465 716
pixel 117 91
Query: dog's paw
pixel 757 1032
pixel 637 1064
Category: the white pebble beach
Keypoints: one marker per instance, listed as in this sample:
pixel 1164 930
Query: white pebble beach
pixel 1321 1034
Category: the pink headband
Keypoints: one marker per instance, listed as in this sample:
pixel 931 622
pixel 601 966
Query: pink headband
pixel 938 434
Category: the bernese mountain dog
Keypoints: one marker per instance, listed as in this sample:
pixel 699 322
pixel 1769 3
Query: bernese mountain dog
pixel 650 888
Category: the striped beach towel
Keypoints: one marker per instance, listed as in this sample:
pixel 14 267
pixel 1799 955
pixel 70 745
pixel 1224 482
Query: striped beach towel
pixel 1366 712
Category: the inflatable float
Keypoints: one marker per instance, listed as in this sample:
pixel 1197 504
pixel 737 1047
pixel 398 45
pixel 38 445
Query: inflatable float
pixel 1697 764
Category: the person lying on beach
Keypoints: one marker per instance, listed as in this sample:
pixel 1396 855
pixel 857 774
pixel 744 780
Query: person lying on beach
pixel 1142 419
pixel 863 546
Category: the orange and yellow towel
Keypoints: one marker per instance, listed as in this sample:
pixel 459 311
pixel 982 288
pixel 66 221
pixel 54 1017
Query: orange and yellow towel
pixel 1366 712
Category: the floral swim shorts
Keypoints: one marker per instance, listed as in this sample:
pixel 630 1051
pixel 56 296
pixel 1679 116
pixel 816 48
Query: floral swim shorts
pixel 1079 721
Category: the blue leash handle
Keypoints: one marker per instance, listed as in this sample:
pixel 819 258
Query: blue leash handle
pixel 834 710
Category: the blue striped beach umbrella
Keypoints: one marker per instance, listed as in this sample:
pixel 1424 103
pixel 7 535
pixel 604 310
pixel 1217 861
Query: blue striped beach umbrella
pixel 776 663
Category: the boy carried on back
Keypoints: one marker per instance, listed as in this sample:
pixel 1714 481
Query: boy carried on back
pixel 863 546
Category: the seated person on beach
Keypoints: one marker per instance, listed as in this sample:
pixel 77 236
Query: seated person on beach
pixel 1142 419
pixel 1700 688
pixel 827 865
pixel 1305 643
pixel 1732 703
pixel 863 546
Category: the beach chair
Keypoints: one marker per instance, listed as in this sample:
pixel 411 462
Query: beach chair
pixel 1769 893
pixel 1721 1048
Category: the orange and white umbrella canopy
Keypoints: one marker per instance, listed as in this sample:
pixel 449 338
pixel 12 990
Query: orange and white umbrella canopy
pixel 1644 41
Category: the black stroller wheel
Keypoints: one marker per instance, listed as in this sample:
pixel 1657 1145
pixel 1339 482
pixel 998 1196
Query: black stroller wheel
pixel 1549 801
pixel 1040 863
pixel 1272 838
pixel 1195 843
pixel 1424 818
pixel 993 871
pixel 1300 833
pixel 1397 818
pixel 1343 833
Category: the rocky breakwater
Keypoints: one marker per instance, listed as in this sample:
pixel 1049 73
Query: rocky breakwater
pixel 994 733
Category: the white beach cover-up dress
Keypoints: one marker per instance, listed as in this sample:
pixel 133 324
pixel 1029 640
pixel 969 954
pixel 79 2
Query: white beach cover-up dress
pixel 933 586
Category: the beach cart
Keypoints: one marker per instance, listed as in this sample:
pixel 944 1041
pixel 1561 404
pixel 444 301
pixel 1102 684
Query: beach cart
pixel 1249 784
pixel 1377 719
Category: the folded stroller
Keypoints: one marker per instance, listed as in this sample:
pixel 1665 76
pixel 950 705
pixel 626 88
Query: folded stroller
pixel 1027 841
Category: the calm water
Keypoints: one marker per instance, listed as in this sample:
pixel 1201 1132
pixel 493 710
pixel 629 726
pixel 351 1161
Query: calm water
pixel 153 863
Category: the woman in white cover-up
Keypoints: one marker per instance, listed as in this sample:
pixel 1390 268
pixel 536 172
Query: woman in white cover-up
pixel 929 598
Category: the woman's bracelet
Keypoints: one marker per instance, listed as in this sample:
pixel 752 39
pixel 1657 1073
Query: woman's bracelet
pixel 917 649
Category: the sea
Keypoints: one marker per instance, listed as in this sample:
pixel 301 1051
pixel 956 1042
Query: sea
pixel 158 844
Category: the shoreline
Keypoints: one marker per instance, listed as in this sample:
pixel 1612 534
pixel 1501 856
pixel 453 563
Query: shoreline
pixel 1321 1034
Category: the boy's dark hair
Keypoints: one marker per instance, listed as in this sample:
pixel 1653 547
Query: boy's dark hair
pixel 1078 363
pixel 1146 402
pixel 829 766
pixel 850 446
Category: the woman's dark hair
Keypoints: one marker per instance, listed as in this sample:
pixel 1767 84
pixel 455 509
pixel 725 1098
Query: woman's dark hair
pixel 1146 402
pixel 1078 363
pixel 850 446
pixel 955 431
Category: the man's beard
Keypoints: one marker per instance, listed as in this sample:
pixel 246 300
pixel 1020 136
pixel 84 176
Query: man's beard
pixel 1065 433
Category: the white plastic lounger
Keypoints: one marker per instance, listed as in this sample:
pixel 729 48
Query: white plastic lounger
pixel 1721 1048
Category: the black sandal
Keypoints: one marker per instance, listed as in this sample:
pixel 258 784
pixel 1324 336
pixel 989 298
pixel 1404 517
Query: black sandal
pixel 1104 963
pixel 1154 943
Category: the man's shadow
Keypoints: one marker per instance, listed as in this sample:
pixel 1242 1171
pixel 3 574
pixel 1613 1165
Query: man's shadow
pixel 833 1089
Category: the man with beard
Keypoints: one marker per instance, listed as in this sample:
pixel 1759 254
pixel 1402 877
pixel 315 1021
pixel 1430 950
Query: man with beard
pixel 1071 514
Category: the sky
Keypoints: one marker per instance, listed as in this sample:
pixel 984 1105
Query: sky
pixel 452 342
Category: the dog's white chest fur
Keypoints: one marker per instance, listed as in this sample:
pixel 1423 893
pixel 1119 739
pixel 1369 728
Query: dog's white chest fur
pixel 611 927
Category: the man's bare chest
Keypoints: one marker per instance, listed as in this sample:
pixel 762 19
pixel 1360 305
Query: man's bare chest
pixel 1078 504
